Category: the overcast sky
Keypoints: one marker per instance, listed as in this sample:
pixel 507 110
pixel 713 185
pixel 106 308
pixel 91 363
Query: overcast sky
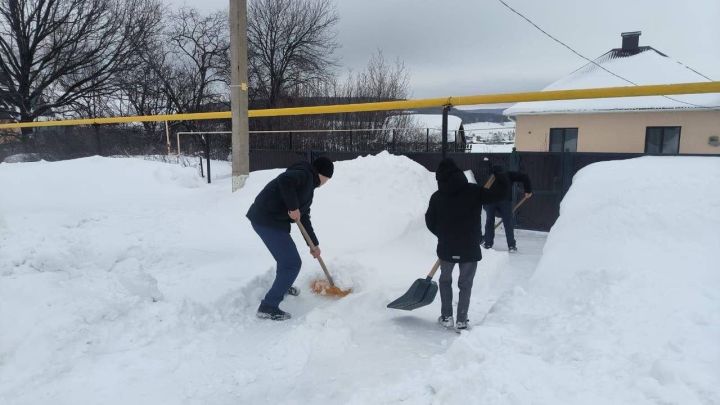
pixel 464 47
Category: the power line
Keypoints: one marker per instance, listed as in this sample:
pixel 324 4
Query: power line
pixel 592 61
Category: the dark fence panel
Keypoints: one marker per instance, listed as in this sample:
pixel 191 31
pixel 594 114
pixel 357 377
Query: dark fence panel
pixel 550 173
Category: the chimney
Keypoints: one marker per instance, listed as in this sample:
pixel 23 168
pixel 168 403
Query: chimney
pixel 631 41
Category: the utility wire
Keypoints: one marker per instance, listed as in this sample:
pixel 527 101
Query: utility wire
pixel 595 63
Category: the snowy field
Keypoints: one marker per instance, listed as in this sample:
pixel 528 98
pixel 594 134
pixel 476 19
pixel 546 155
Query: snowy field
pixel 130 281
pixel 491 137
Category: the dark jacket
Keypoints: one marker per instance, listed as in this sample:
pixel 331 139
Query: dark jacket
pixel 508 178
pixel 453 214
pixel 291 190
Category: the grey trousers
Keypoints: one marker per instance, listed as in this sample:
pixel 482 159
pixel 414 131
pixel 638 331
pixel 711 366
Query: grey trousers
pixel 465 283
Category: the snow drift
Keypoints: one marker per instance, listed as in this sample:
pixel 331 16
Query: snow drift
pixel 128 281
pixel 624 306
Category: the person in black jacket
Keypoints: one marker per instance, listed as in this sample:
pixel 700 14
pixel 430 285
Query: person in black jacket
pixel 453 215
pixel 286 199
pixel 503 208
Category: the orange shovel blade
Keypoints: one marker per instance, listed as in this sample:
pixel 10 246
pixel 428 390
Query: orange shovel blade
pixel 323 287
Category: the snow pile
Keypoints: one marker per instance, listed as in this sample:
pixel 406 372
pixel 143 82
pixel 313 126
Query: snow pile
pixel 624 306
pixel 129 281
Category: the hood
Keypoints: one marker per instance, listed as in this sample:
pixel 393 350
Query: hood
pixel 307 167
pixel 449 177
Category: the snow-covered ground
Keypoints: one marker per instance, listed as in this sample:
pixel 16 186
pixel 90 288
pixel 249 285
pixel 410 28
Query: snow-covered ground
pixel 130 281
pixel 490 137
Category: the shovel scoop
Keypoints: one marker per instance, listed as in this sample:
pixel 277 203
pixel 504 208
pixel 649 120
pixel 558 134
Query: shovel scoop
pixel 325 287
pixel 422 292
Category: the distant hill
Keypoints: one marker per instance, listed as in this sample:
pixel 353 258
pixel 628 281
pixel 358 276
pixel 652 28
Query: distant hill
pixel 469 116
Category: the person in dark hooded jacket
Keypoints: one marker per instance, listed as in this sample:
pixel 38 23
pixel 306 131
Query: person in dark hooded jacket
pixel 286 199
pixel 453 215
pixel 503 208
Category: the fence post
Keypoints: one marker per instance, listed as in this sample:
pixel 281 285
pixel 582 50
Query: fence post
pixel 167 137
pixel 566 166
pixel 394 147
pixel 445 111
pixel 291 140
pixel 427 139
pixel 207 156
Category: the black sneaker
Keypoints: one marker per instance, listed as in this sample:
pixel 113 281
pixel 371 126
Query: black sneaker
pixel 487 246
pixel 446 321
pixel 294 291
pixel 275 314
pixel 512 249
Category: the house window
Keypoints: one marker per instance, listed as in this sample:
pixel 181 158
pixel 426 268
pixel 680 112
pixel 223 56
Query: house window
pixel 662 140
pixel 563 139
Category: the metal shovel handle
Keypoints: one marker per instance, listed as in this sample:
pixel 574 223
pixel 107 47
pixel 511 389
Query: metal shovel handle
pixel 310 243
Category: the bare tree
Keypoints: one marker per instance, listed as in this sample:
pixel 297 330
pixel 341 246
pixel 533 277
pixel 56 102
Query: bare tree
pixel 379 81
pixel 54 52
pixel 291 45
pixel 192 64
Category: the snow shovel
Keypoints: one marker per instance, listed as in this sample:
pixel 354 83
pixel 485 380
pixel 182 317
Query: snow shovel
pixel 521 202
pixel 322 287
pixel 422 292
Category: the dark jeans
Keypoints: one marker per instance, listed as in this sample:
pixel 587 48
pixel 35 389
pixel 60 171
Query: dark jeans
pixel 465 283
pixel 283 249
pixel 503 209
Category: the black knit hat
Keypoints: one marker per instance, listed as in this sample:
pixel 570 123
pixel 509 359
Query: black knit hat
pixel 324 166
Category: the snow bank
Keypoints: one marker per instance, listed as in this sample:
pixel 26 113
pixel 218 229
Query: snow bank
pixel 128 281
pixel 624 306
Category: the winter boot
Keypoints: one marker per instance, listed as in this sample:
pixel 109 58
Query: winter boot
pixel 272 313
pixel 512 249
pixel 294 291
pixel 462 325
pixel 487 245
pixel 446 321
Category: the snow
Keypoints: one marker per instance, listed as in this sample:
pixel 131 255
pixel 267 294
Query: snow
pixel 131 281
pixel 491 148
pixel 491 137
pixel 624 306
pixel 646 68
pixel 431 121
pixel 22 157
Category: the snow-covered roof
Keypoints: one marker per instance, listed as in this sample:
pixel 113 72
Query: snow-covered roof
pixel 488 126
pixel 644 68
pixel 434 121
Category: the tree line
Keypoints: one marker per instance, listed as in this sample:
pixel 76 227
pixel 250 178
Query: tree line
pixel 104 58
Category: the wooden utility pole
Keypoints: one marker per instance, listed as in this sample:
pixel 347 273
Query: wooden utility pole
pixel 239 94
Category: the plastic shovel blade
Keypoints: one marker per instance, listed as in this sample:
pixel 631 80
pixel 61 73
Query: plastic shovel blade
pixel 422 292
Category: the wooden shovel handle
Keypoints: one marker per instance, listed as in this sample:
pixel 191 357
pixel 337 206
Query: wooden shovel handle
pixel 521 202
pixel 435 268
pixel 310 243
pixel 489 181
